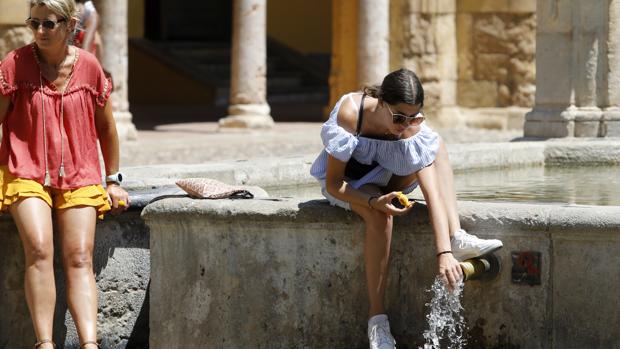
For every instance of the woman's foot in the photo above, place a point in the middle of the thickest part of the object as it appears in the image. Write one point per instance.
(44, 344)
(89, 345)
(466, 246)
(379, 334)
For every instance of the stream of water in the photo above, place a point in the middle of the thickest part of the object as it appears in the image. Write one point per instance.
(446, 324)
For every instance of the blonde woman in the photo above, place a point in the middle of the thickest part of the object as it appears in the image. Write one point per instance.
(54, 110)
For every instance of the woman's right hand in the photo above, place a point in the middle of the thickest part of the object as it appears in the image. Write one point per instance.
(450, 271)
(384, 204)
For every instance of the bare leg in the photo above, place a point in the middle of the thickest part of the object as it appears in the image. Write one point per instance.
(445, 178)
(377, 241)
(33, 218)
(77, 236)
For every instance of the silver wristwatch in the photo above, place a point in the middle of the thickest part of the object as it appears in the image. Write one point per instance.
(116, 178)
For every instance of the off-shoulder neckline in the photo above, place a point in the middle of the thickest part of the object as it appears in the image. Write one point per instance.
(400, 140)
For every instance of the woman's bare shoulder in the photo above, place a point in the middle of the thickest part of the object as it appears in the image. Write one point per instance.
(348, 112)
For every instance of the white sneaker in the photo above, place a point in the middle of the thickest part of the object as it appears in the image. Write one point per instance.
(465, 246)
(379, 334)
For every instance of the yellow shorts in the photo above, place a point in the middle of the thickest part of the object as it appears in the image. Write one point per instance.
(13, 189)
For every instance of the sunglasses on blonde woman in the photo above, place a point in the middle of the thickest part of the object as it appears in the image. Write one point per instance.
(34, 23)
(399, 118)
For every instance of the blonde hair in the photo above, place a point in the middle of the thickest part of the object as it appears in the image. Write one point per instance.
(65, 8)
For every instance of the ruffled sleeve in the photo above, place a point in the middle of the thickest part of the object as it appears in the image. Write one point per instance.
(401, 157)
(104, 88)
(7, 76)
(337, 141)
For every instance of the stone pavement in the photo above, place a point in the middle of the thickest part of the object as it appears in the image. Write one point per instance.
(193, 143)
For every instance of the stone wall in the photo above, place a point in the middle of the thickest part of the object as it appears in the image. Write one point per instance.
(289, 274)
(13, 32)
(496, 55)
(12, 38)
(423, 40)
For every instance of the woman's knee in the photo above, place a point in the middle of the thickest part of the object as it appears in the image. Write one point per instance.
(40, 253)
(378, 222)
(78, 258)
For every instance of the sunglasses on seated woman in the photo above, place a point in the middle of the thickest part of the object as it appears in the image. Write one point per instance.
(46, 23)
(399, 118)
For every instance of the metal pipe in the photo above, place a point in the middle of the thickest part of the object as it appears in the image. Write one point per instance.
(481, 268)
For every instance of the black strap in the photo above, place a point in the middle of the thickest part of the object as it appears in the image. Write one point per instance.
(360, 115)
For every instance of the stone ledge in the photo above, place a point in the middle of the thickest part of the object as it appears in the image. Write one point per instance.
(513, 217)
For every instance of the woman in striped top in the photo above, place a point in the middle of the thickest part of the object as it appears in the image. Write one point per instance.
(377, 144)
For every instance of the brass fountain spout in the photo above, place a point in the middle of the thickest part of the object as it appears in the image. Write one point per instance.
(481, 268)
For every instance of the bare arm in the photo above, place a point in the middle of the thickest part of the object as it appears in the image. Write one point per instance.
(4, 106)
(108, 140)
(338, 188)
(108, 137)
(449, 268)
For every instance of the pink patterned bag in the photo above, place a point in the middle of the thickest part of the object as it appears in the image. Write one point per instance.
(207, 188)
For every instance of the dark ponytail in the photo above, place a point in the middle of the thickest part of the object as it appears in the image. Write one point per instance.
(373, 91)
(400, 86)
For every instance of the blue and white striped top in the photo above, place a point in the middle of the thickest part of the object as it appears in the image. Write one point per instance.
(401, 157)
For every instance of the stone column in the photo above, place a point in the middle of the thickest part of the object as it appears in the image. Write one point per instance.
(611, 115)
(373, 49)
(343, 72)
(248, 106)
(13, 32)
(573, 69)
(113, 30)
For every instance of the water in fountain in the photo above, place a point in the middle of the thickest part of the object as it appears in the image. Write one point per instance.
(446, 325)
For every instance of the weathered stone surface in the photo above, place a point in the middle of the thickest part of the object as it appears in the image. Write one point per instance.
(13, 13)
(549, 129)
(510, 118)
(613, 55)
(588, 129)
(497, 48)
(553, 57)
(524, 6)
(483, 5)
(503, 95)
(464, 27)
(477, 93)
(433, 6)
(558, 15)
(611, 122)
(12, 38)
(492, 67)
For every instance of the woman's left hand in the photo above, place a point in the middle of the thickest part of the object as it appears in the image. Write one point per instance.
(450, 270)
(118, 197)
